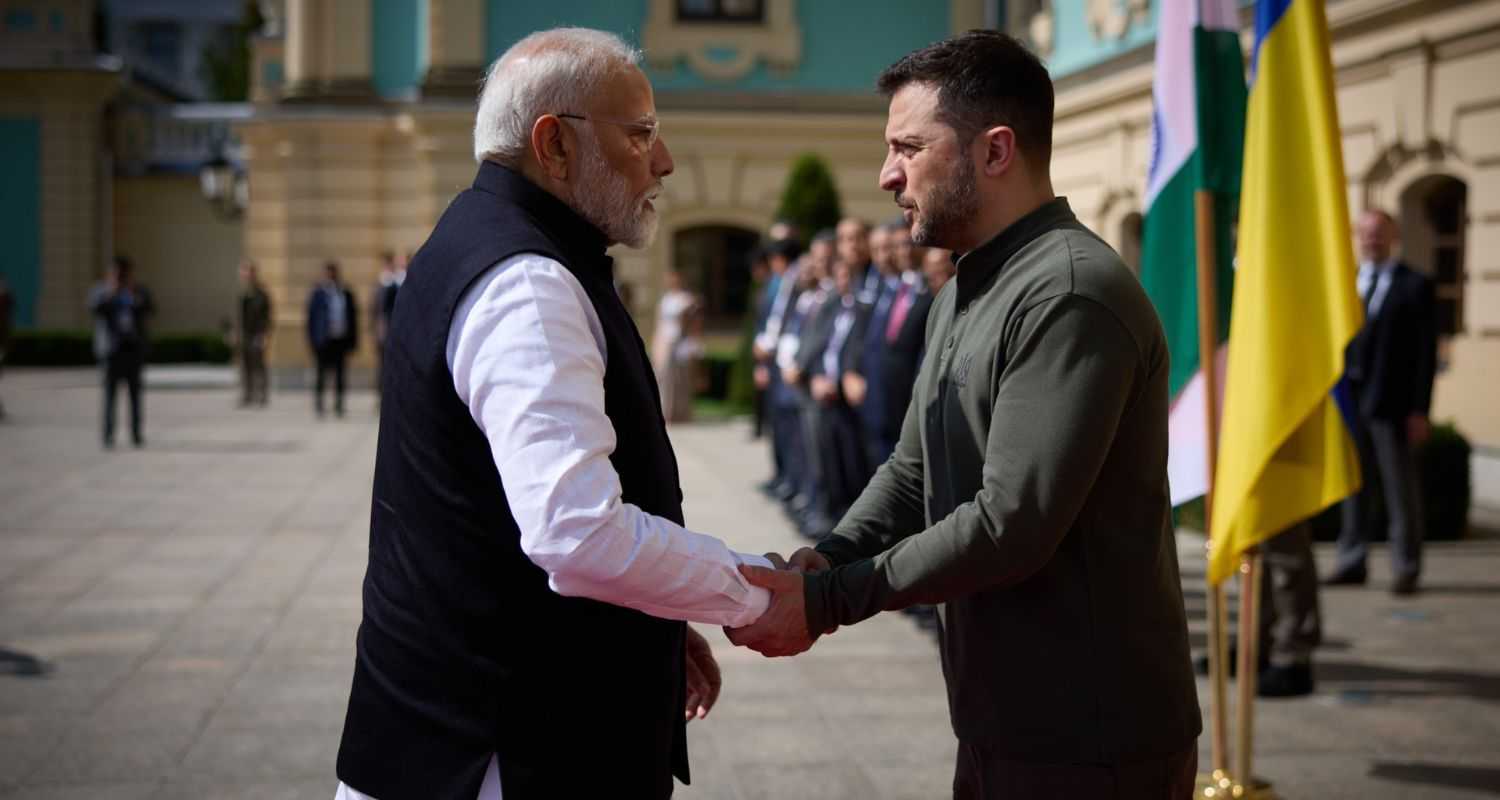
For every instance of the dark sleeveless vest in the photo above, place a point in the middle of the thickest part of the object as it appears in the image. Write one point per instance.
(463, 650)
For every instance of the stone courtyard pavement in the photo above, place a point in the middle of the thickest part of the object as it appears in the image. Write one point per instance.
(195, 603)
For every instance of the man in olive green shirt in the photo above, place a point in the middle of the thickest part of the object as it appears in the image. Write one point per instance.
(1028, 493)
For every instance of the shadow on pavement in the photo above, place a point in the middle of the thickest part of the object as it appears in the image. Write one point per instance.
(1486, 779)
(1422, 683)
(230, 447)
(26, 665)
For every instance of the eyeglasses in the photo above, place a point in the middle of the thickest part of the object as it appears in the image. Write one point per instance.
(647, 133)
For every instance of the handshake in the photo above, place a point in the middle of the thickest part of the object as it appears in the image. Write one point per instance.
(782, 629)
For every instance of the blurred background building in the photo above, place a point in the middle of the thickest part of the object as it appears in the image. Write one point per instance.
(189, 132)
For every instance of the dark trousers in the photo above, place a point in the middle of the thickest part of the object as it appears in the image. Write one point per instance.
(255, 382)
(1383, 453)
(331, 359)
(981, 776)
(126, 368)
(758, 407)
(786, 444)
(1291, 625)
(813, 482)
(842, 453)
(878, 449)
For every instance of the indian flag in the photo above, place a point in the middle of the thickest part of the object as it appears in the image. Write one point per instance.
(1197, 143)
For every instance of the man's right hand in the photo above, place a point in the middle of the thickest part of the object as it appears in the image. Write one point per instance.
(809, 560)
(823, 390)
(854, 388)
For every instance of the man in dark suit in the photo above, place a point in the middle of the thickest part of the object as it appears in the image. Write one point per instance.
(120, 307)
(863, 383)
(254, 335)
(816, 305)
(841, 444)
(781, 311)
(1389, 367)
(905, 332)
(333, 333)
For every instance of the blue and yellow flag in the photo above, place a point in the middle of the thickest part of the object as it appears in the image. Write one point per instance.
(1285, 453)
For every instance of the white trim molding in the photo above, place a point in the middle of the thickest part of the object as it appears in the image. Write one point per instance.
(775, 41)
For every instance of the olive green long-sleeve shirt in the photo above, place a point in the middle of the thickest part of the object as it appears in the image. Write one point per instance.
(1028, 495)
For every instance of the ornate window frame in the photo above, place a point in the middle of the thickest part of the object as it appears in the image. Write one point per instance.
(776, 41)
(1112, 19)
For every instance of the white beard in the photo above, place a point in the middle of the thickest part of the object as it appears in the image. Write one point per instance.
(602, 196)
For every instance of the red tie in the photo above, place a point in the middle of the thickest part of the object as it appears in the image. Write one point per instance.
(898, 312)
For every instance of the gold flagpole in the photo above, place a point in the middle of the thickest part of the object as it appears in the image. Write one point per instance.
(1250, 567)
(1208, 345)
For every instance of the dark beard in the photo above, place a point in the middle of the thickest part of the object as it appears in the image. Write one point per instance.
(951, 206)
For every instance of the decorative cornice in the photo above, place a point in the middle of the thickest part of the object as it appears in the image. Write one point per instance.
(721, 51)
(1110, 20)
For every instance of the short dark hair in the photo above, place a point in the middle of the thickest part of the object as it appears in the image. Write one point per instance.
(788, 249)
(983, 78)
(123, 266)
(826, 235)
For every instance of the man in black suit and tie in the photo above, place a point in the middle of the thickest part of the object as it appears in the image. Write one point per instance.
(1389, 366)
(332, 332)
(817, 306)
(905, 331)
(841, 446)
(121, 307)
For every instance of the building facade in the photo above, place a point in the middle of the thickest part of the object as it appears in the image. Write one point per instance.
(363, 130)
(103, 135)
(358, 134)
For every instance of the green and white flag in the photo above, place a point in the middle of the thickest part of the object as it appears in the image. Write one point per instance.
(1197, 144)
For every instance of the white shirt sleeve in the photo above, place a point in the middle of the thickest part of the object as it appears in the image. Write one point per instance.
(527, 355)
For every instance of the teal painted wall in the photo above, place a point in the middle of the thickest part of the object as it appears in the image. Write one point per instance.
(398, 45)
(1074, 46)
(507, 21)
(844, 47)
(20, 213)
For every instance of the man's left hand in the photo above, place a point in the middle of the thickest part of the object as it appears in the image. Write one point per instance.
(1418, 430)
(703, 678)
(782, 629)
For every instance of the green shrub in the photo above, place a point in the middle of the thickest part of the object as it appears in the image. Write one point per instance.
(1447, 487)
(810, 200)
(76, 349)
(189, 348)
(50, 349)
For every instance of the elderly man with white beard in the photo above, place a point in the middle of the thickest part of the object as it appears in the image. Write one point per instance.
(529, 572)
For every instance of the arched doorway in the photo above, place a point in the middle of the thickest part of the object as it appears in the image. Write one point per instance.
(714, 261)
(1434, 220)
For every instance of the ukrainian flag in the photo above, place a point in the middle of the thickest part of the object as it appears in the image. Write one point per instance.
(1285, 453)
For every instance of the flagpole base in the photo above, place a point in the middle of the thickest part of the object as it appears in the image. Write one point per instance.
(1219, 786)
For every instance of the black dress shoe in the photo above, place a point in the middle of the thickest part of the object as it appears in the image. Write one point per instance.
(1293, 680)
(1404, 586)
(1349, 576)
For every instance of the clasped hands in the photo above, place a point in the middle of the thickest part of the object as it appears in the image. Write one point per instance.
(782, 629)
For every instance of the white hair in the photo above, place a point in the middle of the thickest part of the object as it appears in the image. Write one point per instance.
(549, 72)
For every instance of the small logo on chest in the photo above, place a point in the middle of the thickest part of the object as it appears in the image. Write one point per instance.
(961, 370)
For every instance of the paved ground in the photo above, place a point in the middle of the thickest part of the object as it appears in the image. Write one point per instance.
(197, 601)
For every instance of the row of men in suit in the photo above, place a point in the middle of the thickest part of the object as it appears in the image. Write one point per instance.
(839, 337)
